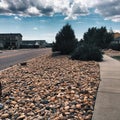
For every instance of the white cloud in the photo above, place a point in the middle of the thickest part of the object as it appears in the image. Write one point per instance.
(71, 9)
(33, 11)
(109, 9)
(3, 4)
(116, 31)
(17, 18)
(35, 28)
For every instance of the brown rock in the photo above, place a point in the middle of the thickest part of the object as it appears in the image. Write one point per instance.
(52, 99)
(13, 102)
(6, 115)
(78, 106)
(66, 107)
(67, 113)
(72, 92)
(21, 117)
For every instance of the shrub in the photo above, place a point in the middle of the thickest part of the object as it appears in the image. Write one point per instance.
(115, 46)
(100, 37)
(65, 40)
(87, 52)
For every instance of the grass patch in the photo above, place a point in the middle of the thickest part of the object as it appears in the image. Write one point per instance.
(116, 57)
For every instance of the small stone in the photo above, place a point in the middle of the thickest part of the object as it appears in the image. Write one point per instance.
(40, 117)
(73, 106)
(71, 110)
(52, 99)
(67, 107)
(30, 114)
(67, 96)
(8, 101)
(6, 115)
(59, 95)
(21, 117)
(13, 102)
(0, 90)
(88, 117)
(11, 98)
(28, 110)
(67, 113)
(6, 107)
(60, 116)
(77, 96)
(44, 101)
(32, 105)
(23, 63)
(78, 106)
(66, 103)
(48, 108)
(1, 106)
(72, 92)
(16, 115)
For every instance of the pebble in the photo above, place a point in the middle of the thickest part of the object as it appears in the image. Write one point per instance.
(78, 106)
(66, 107)
(72, 92)
(52, 99)
(13, 102)
(6, 115)
(50, 88)
(21, 117)
(1, 106)
(11, 98)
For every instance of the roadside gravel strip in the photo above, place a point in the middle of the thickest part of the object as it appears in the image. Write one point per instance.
(49, 88)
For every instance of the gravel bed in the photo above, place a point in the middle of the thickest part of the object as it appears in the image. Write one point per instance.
(111, 52)
(49, 88)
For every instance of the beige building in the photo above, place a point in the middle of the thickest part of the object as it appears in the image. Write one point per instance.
(116, 38)
(116, 35)
(10, 40)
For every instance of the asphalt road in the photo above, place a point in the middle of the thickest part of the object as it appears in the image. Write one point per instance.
(11, 57)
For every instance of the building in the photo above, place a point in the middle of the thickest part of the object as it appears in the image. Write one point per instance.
(10, 40)
(116, 38)
(116, 35)
(33, 44)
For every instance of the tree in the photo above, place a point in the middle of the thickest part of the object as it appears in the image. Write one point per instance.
(99, 37)
(65, 40)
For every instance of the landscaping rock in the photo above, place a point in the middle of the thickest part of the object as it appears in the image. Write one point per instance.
(54, 88)
(3, 116)
(1, 106)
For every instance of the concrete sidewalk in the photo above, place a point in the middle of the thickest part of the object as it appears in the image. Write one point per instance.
(107, 106)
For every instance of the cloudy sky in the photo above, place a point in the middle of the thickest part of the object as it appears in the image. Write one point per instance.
(42, 19)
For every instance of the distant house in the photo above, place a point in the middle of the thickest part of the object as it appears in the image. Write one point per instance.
(42, 43)
(116, 35)
(10, 40)
(33, 44)
(116, 38)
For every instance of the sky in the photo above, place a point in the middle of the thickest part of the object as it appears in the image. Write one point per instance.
(43, 19)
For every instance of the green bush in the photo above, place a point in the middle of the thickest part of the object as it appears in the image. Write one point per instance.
(65, 40)
(99, 37)
(87, 52)
(115, 46)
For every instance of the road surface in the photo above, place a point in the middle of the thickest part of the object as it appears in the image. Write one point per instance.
(11, 57)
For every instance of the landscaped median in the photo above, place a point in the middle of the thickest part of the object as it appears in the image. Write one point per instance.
(50, 88)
